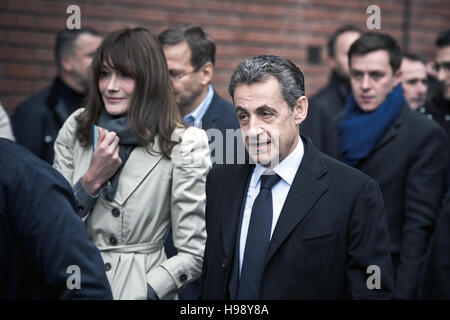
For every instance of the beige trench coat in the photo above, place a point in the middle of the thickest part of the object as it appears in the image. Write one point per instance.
(153, 194)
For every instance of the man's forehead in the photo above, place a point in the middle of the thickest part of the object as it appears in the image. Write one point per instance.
(416, 67)
(179, 52)
(371, 61)
(443, 54)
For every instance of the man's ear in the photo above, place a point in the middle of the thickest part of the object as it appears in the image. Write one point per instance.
(207, 72)
(301, 110)
(66, 63)
(330, 62)
(398, 77)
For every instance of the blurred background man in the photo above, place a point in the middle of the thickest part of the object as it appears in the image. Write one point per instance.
(405, 152)
(414, 81)
(329, 101)
(36, 121)
(190, 55)
(439, 107)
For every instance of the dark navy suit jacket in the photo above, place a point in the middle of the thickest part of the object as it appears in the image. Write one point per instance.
(41, 236)
(332, 227)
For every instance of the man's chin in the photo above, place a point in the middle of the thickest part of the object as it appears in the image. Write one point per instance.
(264, 160)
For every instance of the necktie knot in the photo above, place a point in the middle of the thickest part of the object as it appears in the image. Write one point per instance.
(269, 180)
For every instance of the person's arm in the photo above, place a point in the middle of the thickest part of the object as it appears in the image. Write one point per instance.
(54, 240)
(104, 163)
(435, 278)
(191, 164)
(423, 195)
(369, 245)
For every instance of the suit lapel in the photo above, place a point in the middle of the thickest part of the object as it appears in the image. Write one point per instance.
(392, 130)
(305, 190)
(140, 163)
(232, 205)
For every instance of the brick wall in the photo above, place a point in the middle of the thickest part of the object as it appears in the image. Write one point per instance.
(240, 28)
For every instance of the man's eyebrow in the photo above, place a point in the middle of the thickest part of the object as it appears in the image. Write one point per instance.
(240, 109)
(265, 107)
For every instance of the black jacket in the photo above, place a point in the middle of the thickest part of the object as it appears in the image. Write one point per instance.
(42, 240)
(220, 116)
(435, 280)
(409, 163)
(323, 108)
(37, 120)
(331, 228)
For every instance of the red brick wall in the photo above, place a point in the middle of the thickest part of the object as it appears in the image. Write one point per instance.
(240, 28)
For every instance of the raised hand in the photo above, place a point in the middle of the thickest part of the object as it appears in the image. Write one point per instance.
(104, 163)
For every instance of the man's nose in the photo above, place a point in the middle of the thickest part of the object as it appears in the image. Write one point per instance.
(422, 88)
(441, 74)
(255, 127)
(365, 83)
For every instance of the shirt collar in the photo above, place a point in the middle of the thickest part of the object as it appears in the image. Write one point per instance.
(286, 169)
(196, 116)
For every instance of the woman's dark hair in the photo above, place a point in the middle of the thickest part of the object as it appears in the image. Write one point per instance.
(153, 111)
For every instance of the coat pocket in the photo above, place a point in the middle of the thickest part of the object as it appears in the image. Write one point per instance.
(314, 243)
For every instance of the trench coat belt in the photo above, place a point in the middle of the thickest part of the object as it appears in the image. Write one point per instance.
(145, 248)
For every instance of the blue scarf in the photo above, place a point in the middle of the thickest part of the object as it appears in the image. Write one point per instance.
(359, 131)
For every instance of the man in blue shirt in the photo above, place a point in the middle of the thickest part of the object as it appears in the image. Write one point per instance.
(190, 55)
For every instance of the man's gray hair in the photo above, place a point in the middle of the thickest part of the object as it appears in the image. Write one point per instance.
(260, 68)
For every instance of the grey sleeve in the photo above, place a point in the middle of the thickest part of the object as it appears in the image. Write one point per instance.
(85, 201)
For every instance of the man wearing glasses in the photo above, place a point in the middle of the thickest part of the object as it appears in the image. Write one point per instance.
(190, 55)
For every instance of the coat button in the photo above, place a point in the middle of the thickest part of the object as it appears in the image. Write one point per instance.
(115, 212)
(113, 241)
(183, 277)
(107, 266)
(224, 263)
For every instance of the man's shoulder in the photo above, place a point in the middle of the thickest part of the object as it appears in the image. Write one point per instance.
(19, 165)
(222, 113)
(37, 101)
(420, 123)
(222, 106)
(339, 169)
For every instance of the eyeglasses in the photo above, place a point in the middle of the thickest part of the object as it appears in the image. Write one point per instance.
(179, 75)
(445, 66)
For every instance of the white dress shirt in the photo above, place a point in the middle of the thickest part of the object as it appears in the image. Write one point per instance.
(287, 170)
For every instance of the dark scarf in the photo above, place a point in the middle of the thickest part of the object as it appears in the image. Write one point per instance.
(127, 143)
(359, 131)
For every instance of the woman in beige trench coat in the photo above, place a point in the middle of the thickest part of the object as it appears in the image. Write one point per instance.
(137, 170)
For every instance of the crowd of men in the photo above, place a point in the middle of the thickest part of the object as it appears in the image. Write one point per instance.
(362, 176)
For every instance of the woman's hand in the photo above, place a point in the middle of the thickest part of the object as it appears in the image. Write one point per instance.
(104, 163)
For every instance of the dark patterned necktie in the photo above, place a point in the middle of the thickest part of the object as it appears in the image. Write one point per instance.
(258, 238)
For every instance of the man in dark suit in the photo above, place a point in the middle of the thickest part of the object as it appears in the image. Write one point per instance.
(37, 120)
(439, 106)
(45, 251)
(190, 55)
(435, 280)
(403, 150)
(297, 224)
